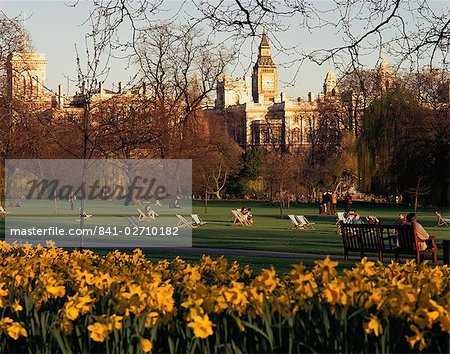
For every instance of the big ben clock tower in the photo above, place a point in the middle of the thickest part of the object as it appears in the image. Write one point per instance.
(265, 75)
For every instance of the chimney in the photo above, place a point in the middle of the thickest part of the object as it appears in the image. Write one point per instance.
(100, 88)
(311, 97)
(120, 87)
(144, 88)
(282, 96)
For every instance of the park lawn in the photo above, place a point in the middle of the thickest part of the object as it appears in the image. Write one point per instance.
(269, 232)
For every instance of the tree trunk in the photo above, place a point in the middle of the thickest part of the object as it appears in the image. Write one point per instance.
(281, 204)
(416, 197)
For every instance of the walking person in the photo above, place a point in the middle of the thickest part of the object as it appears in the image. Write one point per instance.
(328, 200)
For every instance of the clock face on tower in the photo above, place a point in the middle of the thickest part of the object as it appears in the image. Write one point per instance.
(268, 83)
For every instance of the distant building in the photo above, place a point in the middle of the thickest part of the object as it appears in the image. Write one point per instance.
(25, 75)
(260, 116)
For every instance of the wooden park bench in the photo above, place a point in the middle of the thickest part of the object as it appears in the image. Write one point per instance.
(384, 239)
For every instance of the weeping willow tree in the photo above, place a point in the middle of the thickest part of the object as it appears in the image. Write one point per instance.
(385, 124)
(402, 142)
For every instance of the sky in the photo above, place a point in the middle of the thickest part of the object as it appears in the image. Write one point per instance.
(56, 28)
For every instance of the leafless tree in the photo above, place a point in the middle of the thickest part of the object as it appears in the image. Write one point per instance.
(412, 31)
(182, 68)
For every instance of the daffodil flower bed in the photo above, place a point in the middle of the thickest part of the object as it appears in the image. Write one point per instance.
(56, 301)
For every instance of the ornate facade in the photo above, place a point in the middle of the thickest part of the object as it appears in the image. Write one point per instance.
(266, 118)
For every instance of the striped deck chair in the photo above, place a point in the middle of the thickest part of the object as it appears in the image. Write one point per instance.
(295, 224)
(133, 221)
(197, 220)
(304, 221)
(182, 222)
(442, 221)
(239, 219)
(341, 217)
(143, 216)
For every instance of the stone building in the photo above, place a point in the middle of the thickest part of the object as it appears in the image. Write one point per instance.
(264, 117)
(25, 75)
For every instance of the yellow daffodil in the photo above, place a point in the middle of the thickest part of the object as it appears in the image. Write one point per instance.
(99, 332)
(326, 268)
(373, 326)
(15, 330)
(146, 345)
(202, 326)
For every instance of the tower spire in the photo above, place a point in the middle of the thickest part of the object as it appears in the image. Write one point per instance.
(264, 41)
(265, 76)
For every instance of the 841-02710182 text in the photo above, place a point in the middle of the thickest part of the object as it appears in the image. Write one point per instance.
(158, 231)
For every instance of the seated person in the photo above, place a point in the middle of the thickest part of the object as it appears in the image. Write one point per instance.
(150, 212)
(175, 204)
(250, 215)
(420, 231)
(357, 219)
(84, 215)
(373, 220)
(401, 219)
(349, 216)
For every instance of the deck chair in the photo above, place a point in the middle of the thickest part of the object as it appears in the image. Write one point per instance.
(239, 219)
(3, 211)
(152, 213)
(295, 224)
(441, 220)
(341, 217)
(304, 221)
(144, 216)
(197, 220)
(133, 221)
(182, 222)
(84, 216)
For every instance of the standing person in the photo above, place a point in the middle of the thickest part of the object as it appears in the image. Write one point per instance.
(319, 199)
(333, 202)
(348, 202)
(72, 200)
(324, 203)
(329, 202)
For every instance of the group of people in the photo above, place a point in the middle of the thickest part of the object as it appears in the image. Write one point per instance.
(247, 213)
(328, 203)
(352, 217)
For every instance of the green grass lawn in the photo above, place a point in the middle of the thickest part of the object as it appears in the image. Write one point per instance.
(269, 232)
